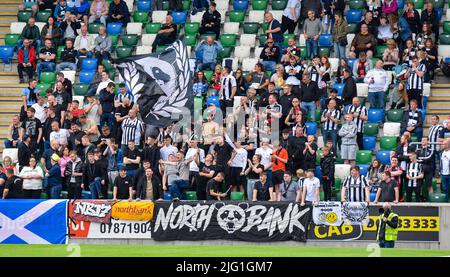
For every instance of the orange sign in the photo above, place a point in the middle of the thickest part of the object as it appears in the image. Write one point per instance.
(133, 210)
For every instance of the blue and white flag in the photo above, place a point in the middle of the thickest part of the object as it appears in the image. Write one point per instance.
(33, 221)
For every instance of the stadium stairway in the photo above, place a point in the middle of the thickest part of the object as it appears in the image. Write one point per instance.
(438, 103)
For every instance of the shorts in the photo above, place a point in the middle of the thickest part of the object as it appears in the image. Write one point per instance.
(236, 179)
(277, 177)
(348, 152)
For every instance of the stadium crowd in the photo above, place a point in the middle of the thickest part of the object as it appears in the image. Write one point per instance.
(101, 144)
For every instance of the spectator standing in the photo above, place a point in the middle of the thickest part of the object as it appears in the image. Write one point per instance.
(270, 55)
(388, 191)
(263, 189)
(290, 190)
(361, 67)
(310, 153)
(68, 57)
(355, 187)
(29, 97)
(26, 60)
(207, 170)
(237, 164)
(118, 12)
(200, 84)
(327, 168)
(253, 172)
(445, 169)
(132, 129)
(349, 91)
(131, 158)
(378, 84)
(209, 49)
(166, 35)
(290, 17)
(312, 29)
(32, 127)
(69, 27)
(149, 187)
(13, 186)
(123, 186)
(430, 16)
(425, 156)
(360, 115)
(213, 187)
(412, 18)
(330, 120)
(311, 187)
(279, 161)
(309, 96)
(92, 176)
(211, 21)
(99, 11)
(348, 134)
(415, 75)
(412, 120)
(106, 98)
(414, 174)
(32, 176)
(24, 152)
(273, 30)
(339, 35)
(54, 180)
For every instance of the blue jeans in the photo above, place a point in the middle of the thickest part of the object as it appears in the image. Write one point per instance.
(250, 184)
(311, 48)
(310, 108)
(339, 51)
(131, 172)
(46, 145)
(376, 99)
(45, 66)
(330, 135)
(178, 187)
(269, 65)
(65, 65)
(418, 131)
(387, 244)
(445, 186)
(95, 187)
(9, 144)
(55, 192)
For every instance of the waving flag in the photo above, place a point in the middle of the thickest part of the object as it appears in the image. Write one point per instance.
(33, 221)
(161, 83)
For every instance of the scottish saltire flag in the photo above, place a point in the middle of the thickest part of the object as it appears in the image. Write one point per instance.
(161, 83)
(24, 221)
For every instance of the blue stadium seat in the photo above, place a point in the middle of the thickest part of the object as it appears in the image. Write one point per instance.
(167, 196)
(440, 12)
(213, 100)
(179, 17)
(240, 5)
(89, 64)
(325, 40)
(86, 77)
(86, 195)
(363, 169)
(119, 158)
(144, 5)
(114, 28)
(384, 156)
(354, 16)
(311, 128)
(425, 103)
(400, 4)
(369, 143)
(376, 115)
(424, 113)
(6, 53)
(318, 172)
(351, 61)
(339, 87)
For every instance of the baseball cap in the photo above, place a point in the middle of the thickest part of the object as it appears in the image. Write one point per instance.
(55, 157)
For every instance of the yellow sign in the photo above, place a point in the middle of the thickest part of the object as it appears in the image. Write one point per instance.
(331, 217)
(133, 210)
(409, 224)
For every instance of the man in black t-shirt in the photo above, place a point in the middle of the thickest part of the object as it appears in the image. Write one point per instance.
(47, 55)
(131, 158)
(123, 185)
(167, 34)
(13, 186)
(206, 172)
(213, 188)
(388, 191)
(263, 189)
(32, 127)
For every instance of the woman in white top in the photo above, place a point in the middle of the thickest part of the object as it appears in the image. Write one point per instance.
(93, 109)
(265, 151)
(32, 176)
(384, 31)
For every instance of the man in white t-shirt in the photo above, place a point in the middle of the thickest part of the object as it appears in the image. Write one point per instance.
(290, 16)
(41, 109)
(445, 169)
(168, 148)
(104, 83)
(193, 166)
(58, 134)
(311, 186)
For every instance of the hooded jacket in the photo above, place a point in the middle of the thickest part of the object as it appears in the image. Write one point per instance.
(78, 169)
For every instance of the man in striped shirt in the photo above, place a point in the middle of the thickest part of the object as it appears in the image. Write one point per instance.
(359, 116)
(425, 156)
(412, 120)
(435, 134)
(415, 81)
(330, 119)
(227, 89)
(414, 174)
(132, 129)
(355, 187)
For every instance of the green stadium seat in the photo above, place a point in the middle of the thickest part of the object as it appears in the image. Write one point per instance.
(262, 39)
(303, 53)
(205, 36)
(108, 65)
(337, 183)
(395, 115)
(112, 74)
(318, 114)
(237, 196)
(339, 158)
(191, 195)
(160, 48)
(356, 4)
(141, 17)
(418, 4)
(59, 51)
(80, 89)
(380, 51)
(260, 5)
(446, 27)
(251, 27)
(351, 28)
(363, 157)
(191, 40)
(191, 28)
(286, 37)
(64, 194)
(152, 28)
(324, 51)
(371, 129)
(414, 138)
(165, 5)
(237, 16)
(114, 40)
(225, 53)
(186, 5)
(44, 195)
(228, 40)
(23, 16)
(338, 195)
(279, 5)
(42, 16)
(42, 87)
(318, 156)
(321, 195)
(12, 39)
(48, 77)
(130, 40)
(264, 27)
(436, 198)
(198, 103)
(208, 74)
(388, 143)
(93, 27)
(434, 184)
(124, 51)
(362, 99)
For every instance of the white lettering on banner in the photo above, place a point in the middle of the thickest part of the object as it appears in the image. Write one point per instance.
(91, 209)
(232, 218)
(16, 227)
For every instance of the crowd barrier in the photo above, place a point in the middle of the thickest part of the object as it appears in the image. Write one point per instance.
(58, 221)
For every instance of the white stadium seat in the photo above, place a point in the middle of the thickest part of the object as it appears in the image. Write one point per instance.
(320, 142)
(277, 15)
(256, 16)
(241, 52)
(350, 38)
(41, 25)
(222, 5)
(302, 40)
(362, 89)
(248, 64)
(389, 76)
(134, 28)
(447, 14)
(160, 16)
(341, 171)
(258, 51)
(17, 27)
(130, 4)
(143, 49)
(79, 98)
(13, 153)
(69, 74)
(334, 62)
(222, 13)
(444, 51)
(234, 63)
(231, 28)
(198, 17)
(427, 88)
(391, 129)
(248, 40)
(147, 39)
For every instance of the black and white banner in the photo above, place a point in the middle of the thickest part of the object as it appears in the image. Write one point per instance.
(328, 213)
(207, 220)
(161, 83)
(355, 213)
